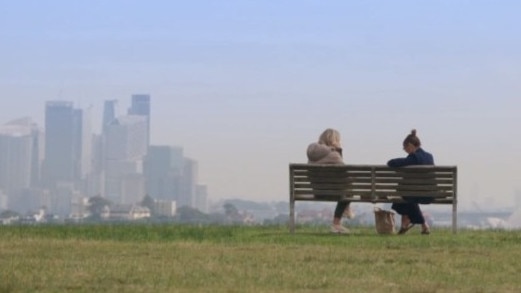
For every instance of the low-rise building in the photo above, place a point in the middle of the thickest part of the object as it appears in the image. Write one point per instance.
(125, 212)
(166, 208)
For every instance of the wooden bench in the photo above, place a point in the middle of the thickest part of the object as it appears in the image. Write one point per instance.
(372, 184)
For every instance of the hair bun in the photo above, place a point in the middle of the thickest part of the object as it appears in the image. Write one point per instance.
(413, 132)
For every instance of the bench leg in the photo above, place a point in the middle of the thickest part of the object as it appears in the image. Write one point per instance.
(454, 217)
(292, 216)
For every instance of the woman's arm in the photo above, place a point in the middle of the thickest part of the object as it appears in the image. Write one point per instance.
(400, 162)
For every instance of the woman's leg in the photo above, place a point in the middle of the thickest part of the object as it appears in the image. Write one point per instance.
(420, 219)
(339, 211)
(415, 214)
(403, 210)
(337, 226)
(417, 217)
(405, 221)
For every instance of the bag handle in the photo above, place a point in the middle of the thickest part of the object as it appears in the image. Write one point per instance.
(378, 209)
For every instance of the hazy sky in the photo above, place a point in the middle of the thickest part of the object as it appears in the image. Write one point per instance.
(245, 86)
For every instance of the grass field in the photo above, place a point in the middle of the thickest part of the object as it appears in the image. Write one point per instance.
(170, 258)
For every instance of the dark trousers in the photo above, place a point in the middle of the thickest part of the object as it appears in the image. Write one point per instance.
(340, 208)
(412, 210)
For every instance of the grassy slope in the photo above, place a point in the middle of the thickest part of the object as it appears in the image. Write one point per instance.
(254, 259)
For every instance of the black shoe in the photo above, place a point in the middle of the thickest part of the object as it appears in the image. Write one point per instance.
(404, 230)
(426, 232)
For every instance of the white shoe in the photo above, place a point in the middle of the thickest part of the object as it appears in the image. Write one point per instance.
(339, 229)
(348, 213)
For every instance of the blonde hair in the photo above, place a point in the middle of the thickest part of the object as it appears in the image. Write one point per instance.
(330, 137)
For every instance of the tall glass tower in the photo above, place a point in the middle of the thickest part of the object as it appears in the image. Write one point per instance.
(16, 151)
(141, 106)
(59, 163)
(67, 143)
(109, 113)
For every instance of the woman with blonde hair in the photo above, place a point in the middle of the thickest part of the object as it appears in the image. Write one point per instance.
(328, 150)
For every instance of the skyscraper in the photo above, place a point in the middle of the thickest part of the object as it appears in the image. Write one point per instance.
(141, 106)
(59, 163)
(16, 158)
(164, 171)
(82, 142)
(124, 148)
(37, 158)
(20, 161)
(109, 112)
(27, 124)
(188, 183)
(68, 140)
(201, 198)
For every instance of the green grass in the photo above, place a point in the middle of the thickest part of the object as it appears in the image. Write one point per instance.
(172, 258)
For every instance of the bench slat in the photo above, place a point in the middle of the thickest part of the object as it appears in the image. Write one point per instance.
(368, 193)
(438, 200)
(375, 180)
(396, 176)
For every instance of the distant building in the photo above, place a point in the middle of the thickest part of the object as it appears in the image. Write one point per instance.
(3, 200)
(109, 113)
(68, 153)
(60, 158)
(83, 142)
(95, 180)
(164, 171)
(124, 151)
(125, 212)
(165, 208)
(16, 157)
(21, 152)
(188, 183)
(27, 200)
(201, 198)
(141, 106)
(37, 156)
(132, 188)
(79, 208)
(62, 197)
(67, 143)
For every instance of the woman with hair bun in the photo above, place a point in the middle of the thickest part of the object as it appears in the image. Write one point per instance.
(410, 211)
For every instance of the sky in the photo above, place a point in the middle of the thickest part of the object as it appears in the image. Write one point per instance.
(244, 86)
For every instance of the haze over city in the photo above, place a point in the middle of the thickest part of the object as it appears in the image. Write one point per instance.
(245, 86)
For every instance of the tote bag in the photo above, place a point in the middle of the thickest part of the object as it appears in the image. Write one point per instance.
(384, 221)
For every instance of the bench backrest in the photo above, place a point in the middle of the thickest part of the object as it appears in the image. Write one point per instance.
(372, 183)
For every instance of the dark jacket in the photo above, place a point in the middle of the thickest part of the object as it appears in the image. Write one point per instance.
(419, 157)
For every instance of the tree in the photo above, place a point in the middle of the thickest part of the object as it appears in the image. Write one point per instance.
(148, 202)
(232, 213)
(230, 210)
(9, 214)
(96, 205)
(186, 214)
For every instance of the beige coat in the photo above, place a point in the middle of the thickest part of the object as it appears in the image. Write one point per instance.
(323, 154)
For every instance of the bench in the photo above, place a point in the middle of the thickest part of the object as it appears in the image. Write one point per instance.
(372, 184)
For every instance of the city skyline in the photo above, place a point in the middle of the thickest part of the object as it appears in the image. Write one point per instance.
(475, 202)
(244, 87)
(62, 163)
